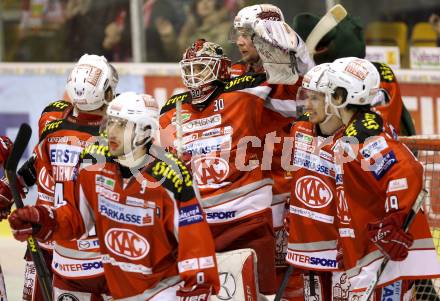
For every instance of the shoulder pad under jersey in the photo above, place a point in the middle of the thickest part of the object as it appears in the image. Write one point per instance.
(248, 80)
(57, 106)
(96, 153)
(385, 71)
(171, 103)
(365, 125)
(64, 124)
(173, 176)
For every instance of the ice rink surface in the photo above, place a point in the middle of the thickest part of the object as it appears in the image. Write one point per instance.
(12, 262)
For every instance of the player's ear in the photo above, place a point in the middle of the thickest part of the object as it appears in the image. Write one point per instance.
(339, 96)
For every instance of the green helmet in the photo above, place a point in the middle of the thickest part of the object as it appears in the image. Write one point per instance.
(346, 39)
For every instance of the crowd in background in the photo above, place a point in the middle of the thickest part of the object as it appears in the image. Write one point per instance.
(62, 30)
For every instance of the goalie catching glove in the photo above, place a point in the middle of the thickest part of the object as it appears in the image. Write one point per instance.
(38, 221)
(388, 235)
(282, 51)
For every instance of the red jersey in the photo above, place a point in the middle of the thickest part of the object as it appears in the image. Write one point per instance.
(57, 157)
(53, 111)
(312, 209)
(392, 111)
(379, 175)
(279, 113)
(152, 230)
(225, 143)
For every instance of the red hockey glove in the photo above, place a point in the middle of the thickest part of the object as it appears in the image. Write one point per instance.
(5, 149)
(6, 199)
(389, 236)
(33, 220)
(198, 293)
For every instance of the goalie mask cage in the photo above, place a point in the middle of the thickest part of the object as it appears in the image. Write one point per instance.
(427, 150)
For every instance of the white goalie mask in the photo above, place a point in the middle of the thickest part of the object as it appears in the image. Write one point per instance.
(203, 63)
(359, 77)
(88, 82)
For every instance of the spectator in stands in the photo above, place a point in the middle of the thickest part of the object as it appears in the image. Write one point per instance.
(117, 37)
(84, 30)
(206, 19)
(434, 19)
(39, 32)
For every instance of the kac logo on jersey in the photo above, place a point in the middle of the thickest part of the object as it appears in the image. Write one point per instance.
(46, 181)
(211, 170)
(313, 192)
(126, 243)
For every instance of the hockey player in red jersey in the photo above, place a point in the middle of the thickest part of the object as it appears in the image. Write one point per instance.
(153, 235)
(346, 40)
(57, 155)
(275, 123)
(26, 174)
(378, 180)
(312, 221)
(220, 116)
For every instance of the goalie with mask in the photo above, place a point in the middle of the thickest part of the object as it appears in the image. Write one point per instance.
(220, 125)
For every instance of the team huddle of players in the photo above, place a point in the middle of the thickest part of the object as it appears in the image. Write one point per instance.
(137, 203)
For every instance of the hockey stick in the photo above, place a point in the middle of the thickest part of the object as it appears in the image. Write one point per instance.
(43, 274)
(179, 128)
(408, 221)
(329, 21)
(3, 296)
(283, 285)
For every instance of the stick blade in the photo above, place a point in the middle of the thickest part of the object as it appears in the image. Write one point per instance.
(338, 12)
(20, 144)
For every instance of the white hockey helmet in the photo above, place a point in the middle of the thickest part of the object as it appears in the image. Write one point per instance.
(249, 14)
(359, 77)
(141, 110)
(88, 82)
(114, 79)
(314, 84)
(316, 78)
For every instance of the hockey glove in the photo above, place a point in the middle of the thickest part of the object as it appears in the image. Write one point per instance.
(28, 172)
(282, 51)
(199, 293)
(388, 235)
(5, 149)
(38, 221)
(6, 199)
